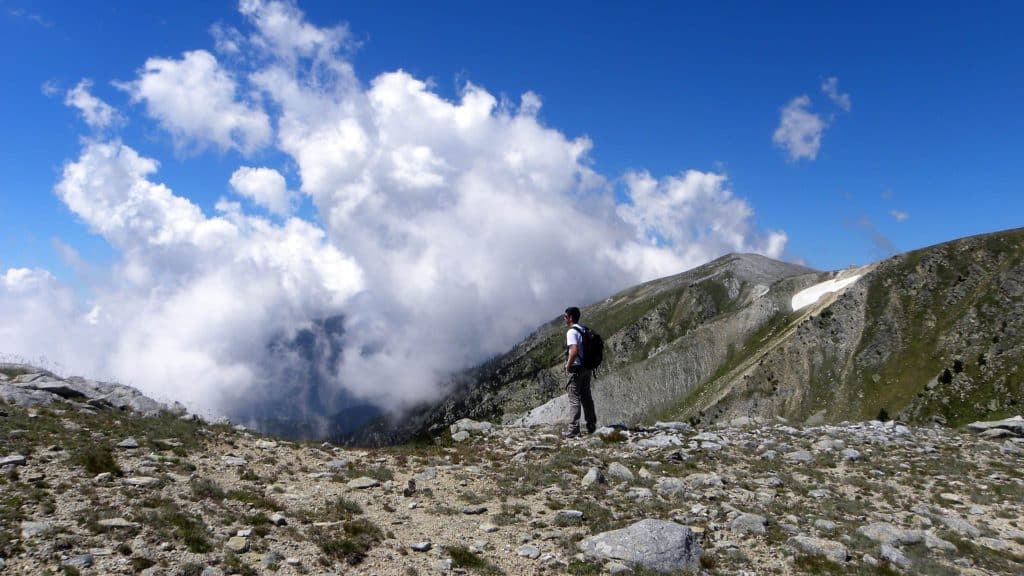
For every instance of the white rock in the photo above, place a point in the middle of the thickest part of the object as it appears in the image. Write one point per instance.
(528, 551)
(363, 483)
(142, 481)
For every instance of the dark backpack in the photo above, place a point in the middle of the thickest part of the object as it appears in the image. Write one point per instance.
(592, 347)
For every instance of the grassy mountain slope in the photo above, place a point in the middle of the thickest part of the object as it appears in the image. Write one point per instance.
(931, 333)
(650, 331)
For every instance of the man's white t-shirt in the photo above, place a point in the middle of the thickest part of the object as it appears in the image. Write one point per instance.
(575, 337)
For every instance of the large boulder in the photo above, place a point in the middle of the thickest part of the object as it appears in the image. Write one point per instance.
(18, 396)
(657, 545)
(1015, 425)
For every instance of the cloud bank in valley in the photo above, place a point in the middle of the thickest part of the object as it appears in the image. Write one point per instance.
(445, 230)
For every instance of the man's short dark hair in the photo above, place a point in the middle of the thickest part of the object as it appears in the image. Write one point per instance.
(573, 312)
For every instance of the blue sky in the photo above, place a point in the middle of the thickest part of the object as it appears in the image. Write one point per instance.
(935, 119)
(905, 131)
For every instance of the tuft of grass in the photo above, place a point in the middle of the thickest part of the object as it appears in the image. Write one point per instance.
(96, 460)
(139, 564)
(206, 489)
(253, 498)
(581, 568)
(510, 513)
(463, 558)
(343, 508)
(235, 565)
(357, 538)
(171, 522)
(379, 473)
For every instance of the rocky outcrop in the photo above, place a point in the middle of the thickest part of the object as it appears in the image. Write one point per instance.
(26, 385)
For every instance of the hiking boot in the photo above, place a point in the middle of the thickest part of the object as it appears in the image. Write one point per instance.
(570, 434)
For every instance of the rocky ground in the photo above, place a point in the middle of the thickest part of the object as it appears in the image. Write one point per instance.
(89, 488)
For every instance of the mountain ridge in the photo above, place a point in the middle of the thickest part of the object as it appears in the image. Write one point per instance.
(722, 341)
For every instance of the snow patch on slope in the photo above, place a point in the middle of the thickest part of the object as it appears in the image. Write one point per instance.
(811, 295)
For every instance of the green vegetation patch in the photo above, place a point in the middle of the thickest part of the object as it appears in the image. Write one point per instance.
(253, 498)
(464, 558)
(206, 489)
(96, 460)
(170, 522)
(351, 545)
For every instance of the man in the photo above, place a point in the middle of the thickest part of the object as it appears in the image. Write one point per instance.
(578, 386)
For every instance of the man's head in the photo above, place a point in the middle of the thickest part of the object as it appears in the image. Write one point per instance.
(572, 315)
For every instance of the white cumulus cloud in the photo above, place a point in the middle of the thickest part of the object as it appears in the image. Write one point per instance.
(195, 99)
(799, 131)
(96, 113)
(697, 215)
(445, 229)
(264, 186)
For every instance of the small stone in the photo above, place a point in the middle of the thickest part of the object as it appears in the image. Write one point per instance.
(593, 476)
(278, 520)
(850, 454)
(142, 481)
(825, 525)
(460, 436)
(660, 441)
(266, 444)
(893, 555)
(488, 527)
(444, 565)
(427, 475)
(421, 546)
(568, 517)
(115, 523)
(237, 544)
(474, 510)
(828, 549)
(271, 559)
(363, 483)
(799, 456)
(233, 461)
(128, 443)
(617, 470)
(528, 551)
(79, 562)
(244, 532)
(749, 524)
(12, 460)
(338, 465)
(292, 561)
(681, 427)
(31, 529)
